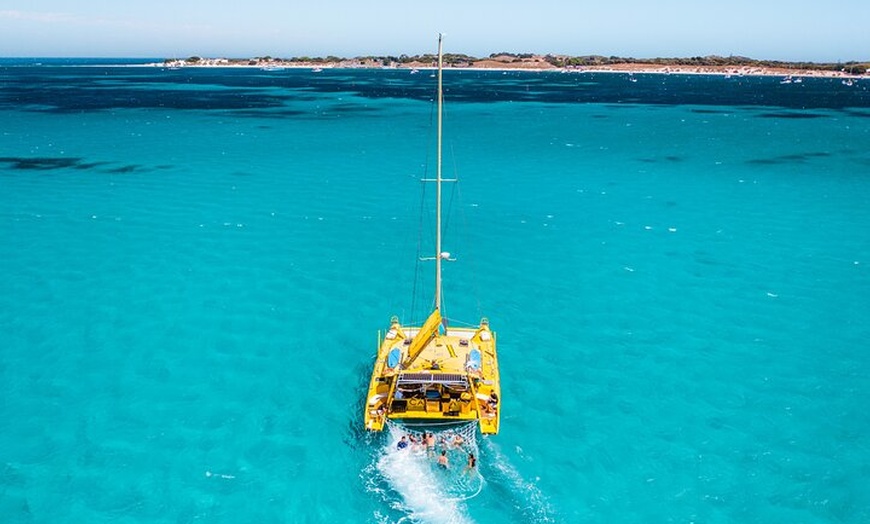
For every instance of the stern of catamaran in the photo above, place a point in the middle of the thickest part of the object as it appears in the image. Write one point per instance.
(450, 378)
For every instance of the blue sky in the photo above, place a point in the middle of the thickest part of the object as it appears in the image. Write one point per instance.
(835, 30)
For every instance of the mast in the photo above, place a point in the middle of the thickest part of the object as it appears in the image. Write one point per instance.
(438, 186)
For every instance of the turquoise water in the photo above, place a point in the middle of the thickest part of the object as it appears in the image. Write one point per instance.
(195, 265)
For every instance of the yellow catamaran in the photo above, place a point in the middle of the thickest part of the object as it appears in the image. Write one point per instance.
(435, 375)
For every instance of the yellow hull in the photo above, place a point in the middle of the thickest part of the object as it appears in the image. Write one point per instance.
(434, 377)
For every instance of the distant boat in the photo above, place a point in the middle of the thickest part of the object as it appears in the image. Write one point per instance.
(272, 68)
(434, 375)
(317, 70)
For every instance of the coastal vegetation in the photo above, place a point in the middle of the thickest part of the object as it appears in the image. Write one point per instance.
(532, 61)
(706, 61)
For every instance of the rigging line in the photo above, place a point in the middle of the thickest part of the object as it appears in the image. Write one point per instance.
(463, 231)
(470, 256)
(418, 274)
(461, 237)
(447, 230)
(459, 231)
(455, 195)
(447, 226)
(424, 241)
(417, 260)
(419, 250)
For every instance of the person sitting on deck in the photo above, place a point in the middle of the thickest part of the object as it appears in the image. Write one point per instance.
(493, 401)
(490, 406)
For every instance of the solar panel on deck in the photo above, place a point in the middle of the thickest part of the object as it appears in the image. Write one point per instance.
(432, 378)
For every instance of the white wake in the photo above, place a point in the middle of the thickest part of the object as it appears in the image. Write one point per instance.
(417, 487)
(528, 498)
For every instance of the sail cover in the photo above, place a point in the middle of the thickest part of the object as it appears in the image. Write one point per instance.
(429, 329)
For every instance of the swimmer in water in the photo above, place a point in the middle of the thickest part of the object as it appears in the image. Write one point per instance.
(442, 460)
(472, 463)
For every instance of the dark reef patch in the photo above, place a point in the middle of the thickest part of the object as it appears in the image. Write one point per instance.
(710, 112)
(794, 116)
(856, 113)
(89, 165)
(654, 160)
(85, 89)
(799, 158)
(276, 114)
(130, 168)
(43, 164)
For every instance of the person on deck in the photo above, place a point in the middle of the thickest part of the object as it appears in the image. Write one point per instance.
(493, 402)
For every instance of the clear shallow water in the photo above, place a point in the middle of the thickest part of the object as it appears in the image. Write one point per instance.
(195, 265)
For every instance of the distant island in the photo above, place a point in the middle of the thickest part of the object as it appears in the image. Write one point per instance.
(731, 65)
